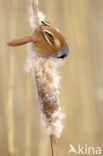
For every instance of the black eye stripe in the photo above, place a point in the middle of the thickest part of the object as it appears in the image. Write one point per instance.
(63, 52)
(62, 56)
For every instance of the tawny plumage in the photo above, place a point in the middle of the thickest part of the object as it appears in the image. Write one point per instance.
(46, 40)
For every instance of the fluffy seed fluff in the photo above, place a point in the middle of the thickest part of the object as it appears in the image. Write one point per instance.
(47, 79)
(45, 72)
(32, 18)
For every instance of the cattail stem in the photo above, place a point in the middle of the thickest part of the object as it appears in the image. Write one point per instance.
(53, 145)
(36, 11)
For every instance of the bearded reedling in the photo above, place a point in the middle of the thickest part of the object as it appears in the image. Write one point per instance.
(49, 47)
(47, 41)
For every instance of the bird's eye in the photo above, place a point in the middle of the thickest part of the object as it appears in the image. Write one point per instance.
(63, 52)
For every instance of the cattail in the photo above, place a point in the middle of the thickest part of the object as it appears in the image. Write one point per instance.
(44, 70)
(47, 80)
(35, 15)
(49, 48)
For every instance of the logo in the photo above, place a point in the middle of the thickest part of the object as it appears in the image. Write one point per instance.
(81, 150)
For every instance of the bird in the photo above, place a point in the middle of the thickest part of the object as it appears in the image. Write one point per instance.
(46, 40)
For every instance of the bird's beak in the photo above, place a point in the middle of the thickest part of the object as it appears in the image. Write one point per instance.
(21, 41)
(63, 59)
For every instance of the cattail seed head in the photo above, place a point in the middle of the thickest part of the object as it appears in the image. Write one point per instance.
(47, 79)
